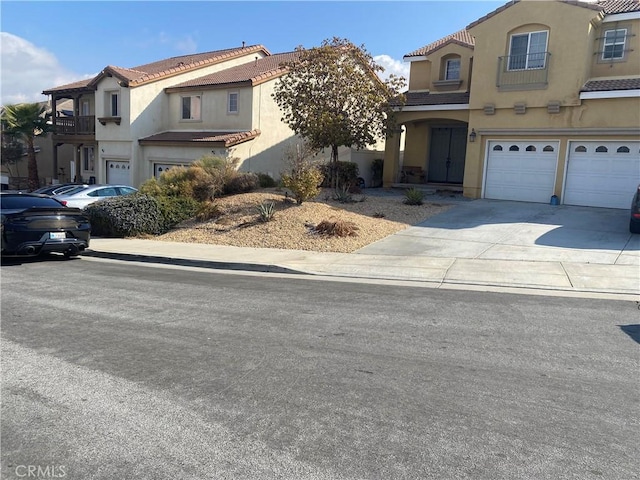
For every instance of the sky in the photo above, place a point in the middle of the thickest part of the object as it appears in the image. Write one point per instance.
(49, 43)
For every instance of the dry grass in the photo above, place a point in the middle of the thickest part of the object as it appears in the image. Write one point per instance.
(295, 226)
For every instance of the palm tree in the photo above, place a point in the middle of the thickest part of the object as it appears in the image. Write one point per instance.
(26, 121)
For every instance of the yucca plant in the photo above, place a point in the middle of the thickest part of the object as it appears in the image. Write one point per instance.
(342, 195)
(413, 196)
(266, 211)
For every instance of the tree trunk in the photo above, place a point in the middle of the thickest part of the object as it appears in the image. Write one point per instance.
(334, 166)
(32, 166)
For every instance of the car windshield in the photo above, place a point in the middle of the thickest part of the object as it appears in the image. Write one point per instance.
(17, 202)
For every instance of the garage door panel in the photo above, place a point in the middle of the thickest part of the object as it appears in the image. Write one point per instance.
(520, 175)
(118, 172)
(599, 178)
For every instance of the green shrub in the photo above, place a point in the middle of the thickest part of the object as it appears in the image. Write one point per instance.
(208, 211)
(266, 181)
(346, 174)
(304, 177)
(413, 196)
(176, 209)
(304, 184)
(125, 216)
(241, 183)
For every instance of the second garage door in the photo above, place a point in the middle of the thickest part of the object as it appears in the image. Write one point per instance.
(523, 171)
(602, 174)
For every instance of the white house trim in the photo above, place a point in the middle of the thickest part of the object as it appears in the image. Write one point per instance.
(621, 17)
(431, 108)
(610, 94)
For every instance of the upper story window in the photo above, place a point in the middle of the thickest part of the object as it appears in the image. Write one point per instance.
(113, 106)
(452, 69)
(614, 41)
(528, 51)
(191, 107)
(232, 104)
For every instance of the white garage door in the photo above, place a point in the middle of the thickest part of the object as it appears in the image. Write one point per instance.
(118, 172)
(602, 174)
(523, 171)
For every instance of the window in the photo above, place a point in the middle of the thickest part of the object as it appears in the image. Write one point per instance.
(531, 148)
(614, 44)
(602, 149)
(581, 149)
(191, 107)
(623, 149)
(548, 148)
(103, 192)
(114, 104)
(514, 148)
(452, 70)
(85, 108)
(233, 102)
(497, 148)
(528, 51)
(88, 159)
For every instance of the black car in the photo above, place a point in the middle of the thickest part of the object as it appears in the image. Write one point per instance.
(34, 224)
(634, 221)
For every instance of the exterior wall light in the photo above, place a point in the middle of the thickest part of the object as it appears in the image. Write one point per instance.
(473, 135)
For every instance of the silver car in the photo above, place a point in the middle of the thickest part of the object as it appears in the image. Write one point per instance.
(82, 196)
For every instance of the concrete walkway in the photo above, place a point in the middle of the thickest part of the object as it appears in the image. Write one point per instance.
(478, 244)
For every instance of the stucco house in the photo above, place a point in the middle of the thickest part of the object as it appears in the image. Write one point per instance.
(130, 124)
(532, 100)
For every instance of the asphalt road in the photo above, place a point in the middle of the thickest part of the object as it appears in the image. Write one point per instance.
(121, 371)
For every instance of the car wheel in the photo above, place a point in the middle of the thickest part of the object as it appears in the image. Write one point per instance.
(634, 227)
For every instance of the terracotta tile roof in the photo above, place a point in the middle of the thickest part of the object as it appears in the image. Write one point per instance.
(251, 73)
(608, 7)
(608, 85)
(163, 68)
(80, 85)
(418, 99)
(462, 37)
(226, 139)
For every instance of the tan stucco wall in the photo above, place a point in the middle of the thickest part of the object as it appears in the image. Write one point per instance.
(570, 40)
(420, 75)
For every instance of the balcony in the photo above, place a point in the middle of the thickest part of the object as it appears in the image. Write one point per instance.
(80, 125)
(523, 72)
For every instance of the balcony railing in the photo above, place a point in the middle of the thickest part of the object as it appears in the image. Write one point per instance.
(523, 71)
(81, 125)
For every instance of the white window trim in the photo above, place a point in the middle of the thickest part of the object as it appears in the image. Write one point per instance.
(546, 46)
(199, 118)
(604, 43)
(237, 110)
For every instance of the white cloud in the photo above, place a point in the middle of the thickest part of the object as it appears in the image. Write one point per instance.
(27, 70)
(392, 66)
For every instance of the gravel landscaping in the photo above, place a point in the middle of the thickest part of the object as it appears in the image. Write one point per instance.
(373, 217)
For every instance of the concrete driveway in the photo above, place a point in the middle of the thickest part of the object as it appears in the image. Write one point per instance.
(504, 230)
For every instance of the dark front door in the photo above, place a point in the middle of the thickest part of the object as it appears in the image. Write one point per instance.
(446, 154)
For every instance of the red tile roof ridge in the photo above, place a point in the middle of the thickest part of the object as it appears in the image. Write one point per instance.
(461, 37)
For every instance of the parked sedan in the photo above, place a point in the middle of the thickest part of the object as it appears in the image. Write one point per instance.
(34, 224)
(58, 189)
(634, 221)
(83, 196)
